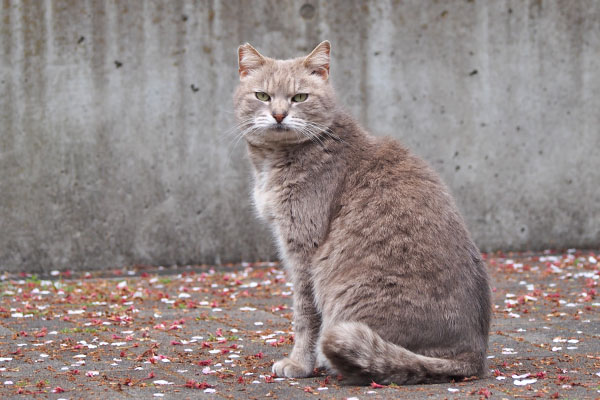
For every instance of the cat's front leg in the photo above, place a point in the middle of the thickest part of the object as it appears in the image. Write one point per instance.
(307, 323)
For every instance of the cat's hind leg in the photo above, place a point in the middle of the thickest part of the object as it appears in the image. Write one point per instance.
(322, 361)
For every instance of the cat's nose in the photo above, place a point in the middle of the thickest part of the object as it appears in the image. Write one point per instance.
(279, 117)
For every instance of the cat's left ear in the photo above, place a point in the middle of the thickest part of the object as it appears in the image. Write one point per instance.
(318, 60)
(248, 59)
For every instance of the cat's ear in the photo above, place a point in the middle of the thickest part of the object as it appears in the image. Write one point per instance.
(318, 60)
(248, 59)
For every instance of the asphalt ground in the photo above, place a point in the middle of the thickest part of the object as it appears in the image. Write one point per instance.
(214, 332)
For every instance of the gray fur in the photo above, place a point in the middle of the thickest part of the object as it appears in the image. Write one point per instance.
(388, 285)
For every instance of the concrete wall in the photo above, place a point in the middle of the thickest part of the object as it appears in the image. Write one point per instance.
(114, 115)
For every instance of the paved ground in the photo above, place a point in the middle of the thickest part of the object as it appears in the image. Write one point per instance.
(209, 332)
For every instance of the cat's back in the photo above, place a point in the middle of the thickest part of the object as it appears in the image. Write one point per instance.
(395, 211)
(403, 246)
(386, 180)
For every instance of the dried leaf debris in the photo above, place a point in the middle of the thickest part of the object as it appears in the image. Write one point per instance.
(174, 332)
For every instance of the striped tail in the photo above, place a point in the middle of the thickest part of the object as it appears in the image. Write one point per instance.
(362, 356)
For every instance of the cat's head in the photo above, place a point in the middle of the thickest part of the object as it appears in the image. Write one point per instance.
(283, 101)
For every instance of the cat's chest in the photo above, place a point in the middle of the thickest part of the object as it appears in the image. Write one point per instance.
(264, 195)
(295, 201)
(282, 195)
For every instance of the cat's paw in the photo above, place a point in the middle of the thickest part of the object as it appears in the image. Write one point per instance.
(291, 369)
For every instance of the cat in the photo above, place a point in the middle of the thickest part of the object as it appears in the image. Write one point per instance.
(388, 285)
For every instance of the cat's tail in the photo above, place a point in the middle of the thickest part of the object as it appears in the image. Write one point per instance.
(362, 356)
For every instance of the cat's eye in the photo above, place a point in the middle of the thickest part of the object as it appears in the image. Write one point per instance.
(262, 96)
(300, 97)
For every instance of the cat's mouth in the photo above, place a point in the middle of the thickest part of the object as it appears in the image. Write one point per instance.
(276, 133)
(281, 127)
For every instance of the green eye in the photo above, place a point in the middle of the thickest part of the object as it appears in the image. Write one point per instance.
(262, 96)
(300, 97)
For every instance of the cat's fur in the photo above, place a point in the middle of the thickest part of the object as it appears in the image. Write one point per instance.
(388, 285)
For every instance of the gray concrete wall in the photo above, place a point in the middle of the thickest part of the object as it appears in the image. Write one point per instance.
(114, 116)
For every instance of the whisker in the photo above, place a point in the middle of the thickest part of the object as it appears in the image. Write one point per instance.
(313, 135)
(234, 135)
(319, 129)
(327, 131)
(239, 137)
(234, 129)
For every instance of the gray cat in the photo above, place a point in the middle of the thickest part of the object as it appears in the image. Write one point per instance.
(388, 285)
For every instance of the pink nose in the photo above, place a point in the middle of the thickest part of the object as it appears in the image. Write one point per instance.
(279, 117)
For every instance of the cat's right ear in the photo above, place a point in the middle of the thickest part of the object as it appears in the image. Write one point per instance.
(249, 59)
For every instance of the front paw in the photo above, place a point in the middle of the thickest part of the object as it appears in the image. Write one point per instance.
(291, 369)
